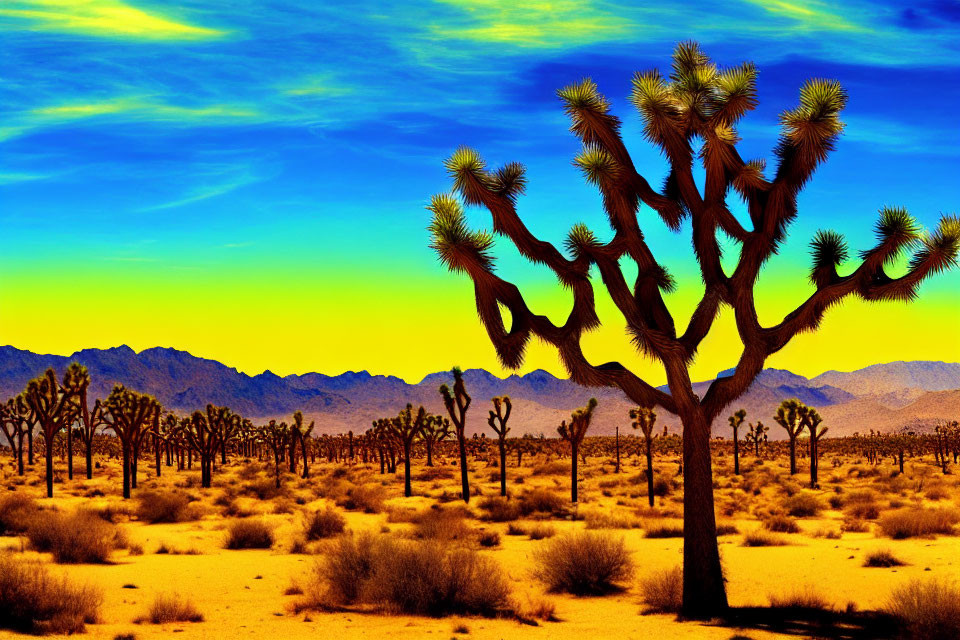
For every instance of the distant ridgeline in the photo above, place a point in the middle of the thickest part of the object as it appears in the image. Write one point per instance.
(881, 397)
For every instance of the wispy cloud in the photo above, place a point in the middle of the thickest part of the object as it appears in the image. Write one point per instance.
(101, 18)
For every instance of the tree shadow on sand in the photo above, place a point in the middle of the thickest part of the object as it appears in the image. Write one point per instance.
(813, 623)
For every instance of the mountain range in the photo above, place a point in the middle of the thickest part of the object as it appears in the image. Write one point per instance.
(881, 396)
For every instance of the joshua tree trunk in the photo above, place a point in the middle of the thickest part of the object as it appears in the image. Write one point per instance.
(573, 472)
(126, 470)
(736, 453)
(649, 469)
(69, 453)
(793, 456)
(88, 455)
(30, 446)
(703, 588)
(464, 476)
(503, 467)
(407, 489)
(49, 456)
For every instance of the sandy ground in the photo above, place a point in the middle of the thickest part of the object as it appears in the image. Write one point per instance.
(241, 593)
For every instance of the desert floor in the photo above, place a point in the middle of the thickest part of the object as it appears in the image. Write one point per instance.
(242, 593)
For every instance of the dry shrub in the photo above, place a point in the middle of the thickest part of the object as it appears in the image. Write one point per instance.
(908, 523)
(802, 505)
(862, 495)
(170, 608)
(540, 531)
(324, 524)
(489, 539)
(16, 512)
(516, 530)
(80, 537)
(927, 610)
(662, 529)
(541, 501)
(162, 506)
(556, 467)
(34, 601)
(430, 579)
(265, 489)
(882, 558)
(368, 498)
(827, 534)
(249, 534)
(781, 524)
(442, 523)
(499, 509)
(537, 609)
(583, 563)
(662, 592)
(418, 578)
(761, 538)
(429, 474)
(606, 520)
(727, 529)
(854, 525)
(863, 511)
(800, 598)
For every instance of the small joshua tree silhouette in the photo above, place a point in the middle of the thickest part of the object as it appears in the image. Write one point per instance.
(574, 433)
(498, 422)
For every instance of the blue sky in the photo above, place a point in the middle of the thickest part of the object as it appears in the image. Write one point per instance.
(293, 145)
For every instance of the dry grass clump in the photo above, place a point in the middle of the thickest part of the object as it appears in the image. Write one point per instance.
(249, 534)
(324, 523)
(16, 512)
(264, 489)
(33, 601)
(162, 506)
(368, 498)
(854, 525)
(882, 558)
(418, 578)
(541, 501)
(662, 529)
(442, 523)
(80, 537)
(927, 610)
(489, 539)
(781, 524)
(800, 598)
(727, 529)
(583, 563)
(761, 538)
(554, 468)
(863, 510)
(918, 521)
(170, 608)
(802, 505)
(609, 520)
(539, 531)
(499, 509)
(662, 592)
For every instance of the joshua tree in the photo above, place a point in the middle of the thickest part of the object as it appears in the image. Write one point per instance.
(15, 416)
(644, 419)
(435, 429)
(301, 435)
(77, 381)
(735, 421)
(811, 420)
(275, 436)
(202, 436)
(498, 422)
(698, 103)
(50, 404)
(457, 404)
(406, 427)
(574, 433)
(789, 416)
(129, 413)
(756, 435)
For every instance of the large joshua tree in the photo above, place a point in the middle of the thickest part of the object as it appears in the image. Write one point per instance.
(696, 104)
(129, 414)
